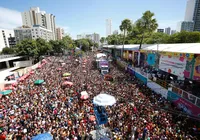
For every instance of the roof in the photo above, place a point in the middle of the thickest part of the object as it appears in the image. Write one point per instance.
(193, 48)
(10, 58)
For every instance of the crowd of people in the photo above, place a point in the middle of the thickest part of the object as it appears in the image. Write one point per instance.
(52, 107)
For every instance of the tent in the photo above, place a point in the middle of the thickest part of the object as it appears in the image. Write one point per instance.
(38, 82)
(66, 74)
(44, 136)
(6, 92)
(104, 99)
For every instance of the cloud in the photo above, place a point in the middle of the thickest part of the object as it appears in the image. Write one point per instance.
(9, 18)
(168, 23)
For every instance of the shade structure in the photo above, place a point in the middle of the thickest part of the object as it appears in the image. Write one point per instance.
(66, 74)
(38, 82)
(44, 136)
(67, 83)
(6, 92)
(84, 95)
(104, 100)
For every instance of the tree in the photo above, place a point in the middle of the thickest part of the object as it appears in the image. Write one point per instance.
(146, 24)
(8, 50)
(43, 47)
(57, 46)
(125, 26)
(102, 40)
(96, 45)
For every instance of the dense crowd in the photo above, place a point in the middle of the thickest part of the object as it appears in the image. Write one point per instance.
(51, 107)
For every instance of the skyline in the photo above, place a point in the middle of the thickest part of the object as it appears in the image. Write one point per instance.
(77, 17)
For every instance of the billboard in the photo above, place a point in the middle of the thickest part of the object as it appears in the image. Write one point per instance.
(173, 65)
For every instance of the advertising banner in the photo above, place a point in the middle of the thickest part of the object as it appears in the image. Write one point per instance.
(183, 104)
(196, 75)
(141, 77)
(173, 65)
(151, 59)
(157, 88)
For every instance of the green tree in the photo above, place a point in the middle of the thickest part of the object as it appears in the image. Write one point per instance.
(146, 25)
(125, 26)
(8, 50)
(57, 46)
(43, 47)
(102, 40)
(96, 45)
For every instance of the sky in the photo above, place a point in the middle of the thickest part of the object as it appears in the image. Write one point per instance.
(89, 16)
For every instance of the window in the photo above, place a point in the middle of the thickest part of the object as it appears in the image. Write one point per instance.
(33, 36)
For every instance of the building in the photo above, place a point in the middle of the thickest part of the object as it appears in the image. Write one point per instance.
(108, 27)
(89, 36)
(59, 33)
(173, 32)
(4, 35)
(34, 32)
(96, 38)
(185, 26)
(168, 30)
(11, 40)
(196, 17)
(160, 30)
(36, 17)
(115, 32)
(189, 12)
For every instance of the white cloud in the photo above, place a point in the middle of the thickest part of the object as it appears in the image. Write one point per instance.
(168, 23)
(9, 19)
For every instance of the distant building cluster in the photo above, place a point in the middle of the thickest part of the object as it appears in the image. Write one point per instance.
(94, 37)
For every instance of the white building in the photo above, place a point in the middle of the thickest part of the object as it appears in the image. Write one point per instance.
(185, 26)
(189, 12)
(168, 30)
(36, 17)
(108, 27)
(115, 32)
(4, 35)
(34, 32)
(96, 38)
(59, 33)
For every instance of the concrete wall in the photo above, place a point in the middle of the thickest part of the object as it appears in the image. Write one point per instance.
(22, 63)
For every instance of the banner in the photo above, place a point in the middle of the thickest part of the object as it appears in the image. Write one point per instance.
(141, 77)
(151, 59)
(157, 88)
(173, 65)
(183, 104)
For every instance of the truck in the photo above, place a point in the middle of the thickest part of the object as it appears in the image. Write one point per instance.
(104, 67)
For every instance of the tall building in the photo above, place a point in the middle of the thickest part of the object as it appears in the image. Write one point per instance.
(185, 26)
(168, 30)
(196, 17)
(36, 17)
(59, 33)
(108, 27)
(173, 32)
(4, 36)
(160, 30)
(34, 32)
(189, 12)
(96, 38)
(115, 32)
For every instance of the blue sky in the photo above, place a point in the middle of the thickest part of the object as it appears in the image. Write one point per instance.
(88, 16)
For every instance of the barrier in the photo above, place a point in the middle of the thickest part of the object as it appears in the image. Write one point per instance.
(141, 77)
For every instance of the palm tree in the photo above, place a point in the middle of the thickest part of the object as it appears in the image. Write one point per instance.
(125, 26)
(147, 24)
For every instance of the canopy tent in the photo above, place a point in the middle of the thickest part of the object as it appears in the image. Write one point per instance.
(44, 136)
(84, 95)
(66, 74)
(99, 55)
(38, 82)
(104, 100)
(67, 83)
(6, 92)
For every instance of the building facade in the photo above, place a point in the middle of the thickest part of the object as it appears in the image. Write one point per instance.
(160, 30)
(168, 30)
(185, 26)
(96, 38)
(108, 27)
(189, 12)
(4, 35)
(33, 33)
(59, 33)
(196, 17)
(36, 17)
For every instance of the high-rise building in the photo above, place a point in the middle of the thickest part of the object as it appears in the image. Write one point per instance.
(115, 32)
(34, 32)
(96, 38)
(185, 26)
(4, 35)
(36, 17)
(108, 27)
(160, 30)
(173, 32)
(168, 30)
(189, 12)
(196, 17)
(59, 33)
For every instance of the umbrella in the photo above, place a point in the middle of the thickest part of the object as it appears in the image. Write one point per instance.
(104, 99)
(44, 61)
(32, 72)
(6, 92)
(66, 74)
(83, 66)
(44, 136)
(66, 78)
(92, 118)
(59, 68)
(68, 83)
(38, 82)
(84, 71)
(84, 95)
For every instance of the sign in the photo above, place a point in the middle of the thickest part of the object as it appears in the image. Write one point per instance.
(141, 77)
(157, 88)
(173, 65)
(151, 59)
